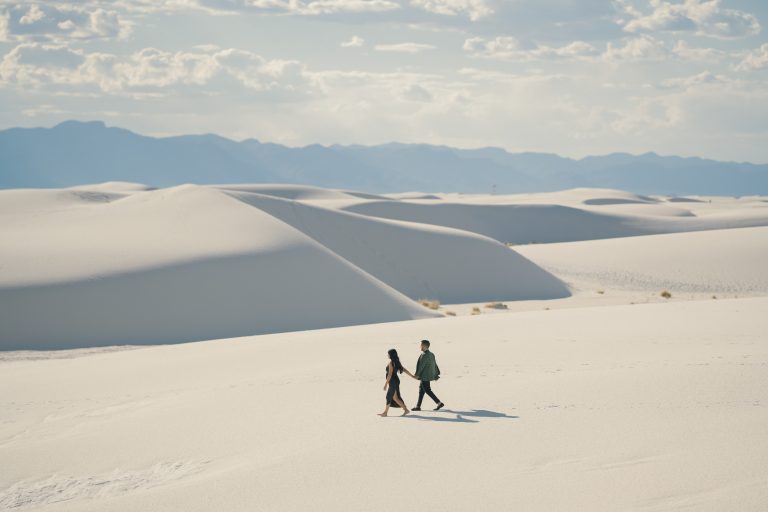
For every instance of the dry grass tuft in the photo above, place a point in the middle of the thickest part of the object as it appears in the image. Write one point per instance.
(450, 313)
(476, 310)
(496, 305)
(430, 303)
(601, 292)
(666, 294)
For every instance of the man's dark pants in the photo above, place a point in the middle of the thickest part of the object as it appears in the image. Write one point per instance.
(426, 388)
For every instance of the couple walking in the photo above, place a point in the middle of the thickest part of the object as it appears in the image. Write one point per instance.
(426, 371)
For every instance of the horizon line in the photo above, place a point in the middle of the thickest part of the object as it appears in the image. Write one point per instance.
(390, 143)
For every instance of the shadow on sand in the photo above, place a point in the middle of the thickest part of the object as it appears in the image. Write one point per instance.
(461, 416)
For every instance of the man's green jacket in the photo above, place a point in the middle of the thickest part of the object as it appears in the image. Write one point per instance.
(426, 367)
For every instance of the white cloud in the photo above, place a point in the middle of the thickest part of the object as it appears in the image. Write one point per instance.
(638, 48)
(353, 42)
(704, 17)
(107, 24)
(686, 52)
(687, 82)
(4, 22)
(755, 59)
(51, 66)
(474, 9)
(404, 47)
(32, 64)
(647, 48)
(498, 46)
(298, 7)
(63, 22)
(34, 14)
(509, 48)
(416, 92)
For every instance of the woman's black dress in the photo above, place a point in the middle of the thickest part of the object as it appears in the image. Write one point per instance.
(394, 387)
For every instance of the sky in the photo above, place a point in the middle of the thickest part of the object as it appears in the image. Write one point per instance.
(576, 78)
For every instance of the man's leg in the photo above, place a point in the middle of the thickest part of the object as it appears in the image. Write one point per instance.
(427, 388)
(421, 394)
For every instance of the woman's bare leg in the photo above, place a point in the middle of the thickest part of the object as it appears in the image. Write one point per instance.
(386, 410)
(396, 397)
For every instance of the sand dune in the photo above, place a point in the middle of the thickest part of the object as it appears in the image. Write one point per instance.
(652, 407)
(117, 263)
(573, 215)
(418, 260)
(301, 192)
(181, 264)
(731, 261)
(589, 407)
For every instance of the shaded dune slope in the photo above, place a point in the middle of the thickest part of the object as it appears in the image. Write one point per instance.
(547, 223)
(418, 260)
(175, 265)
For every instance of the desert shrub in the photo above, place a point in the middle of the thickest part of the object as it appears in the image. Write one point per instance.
(666, 294)
(450, 313)
(601, 292)
(476, 310)
(430, 303)
(496, 305)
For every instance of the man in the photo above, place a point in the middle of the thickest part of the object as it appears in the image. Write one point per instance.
(426, 371)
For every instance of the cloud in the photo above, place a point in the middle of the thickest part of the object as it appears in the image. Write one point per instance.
(5, 19)
(686, 52)
(647, 48)
(703, 17)
(353, 42)
(297, 7)
(62, 22)
(34, 14)
(474, 9)
(415, 92)
(31, 64)
(687, 82)
(509, 48)
(50, 67)
(635, 49)
(755, 59)
(403, 47)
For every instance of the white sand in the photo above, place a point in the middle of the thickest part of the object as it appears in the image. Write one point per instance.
(652, 407)
(181, 264)
(594, 405)
(725, 262)
(572, 215)
(97, 266)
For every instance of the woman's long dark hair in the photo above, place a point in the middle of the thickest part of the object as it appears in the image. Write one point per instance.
(395, 360)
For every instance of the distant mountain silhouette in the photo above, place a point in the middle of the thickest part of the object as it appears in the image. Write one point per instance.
(74, 153)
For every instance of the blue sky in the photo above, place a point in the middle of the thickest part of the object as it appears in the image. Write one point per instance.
(571, 77)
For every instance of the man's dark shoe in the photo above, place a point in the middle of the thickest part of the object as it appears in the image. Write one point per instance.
(417, 408)
(439, 406)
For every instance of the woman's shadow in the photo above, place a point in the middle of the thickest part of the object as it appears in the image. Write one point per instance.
(463, 416)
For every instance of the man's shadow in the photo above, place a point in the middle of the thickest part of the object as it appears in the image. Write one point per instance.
(462, 416)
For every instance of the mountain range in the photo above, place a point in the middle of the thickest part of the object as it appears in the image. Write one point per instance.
(75, 153)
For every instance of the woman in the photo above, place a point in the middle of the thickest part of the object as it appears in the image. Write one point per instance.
(393, 382)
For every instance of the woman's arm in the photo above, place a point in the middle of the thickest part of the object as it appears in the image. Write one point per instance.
(390, 369)
(409, 373)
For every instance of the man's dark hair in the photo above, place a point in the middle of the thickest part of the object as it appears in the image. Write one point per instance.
(425, 342)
